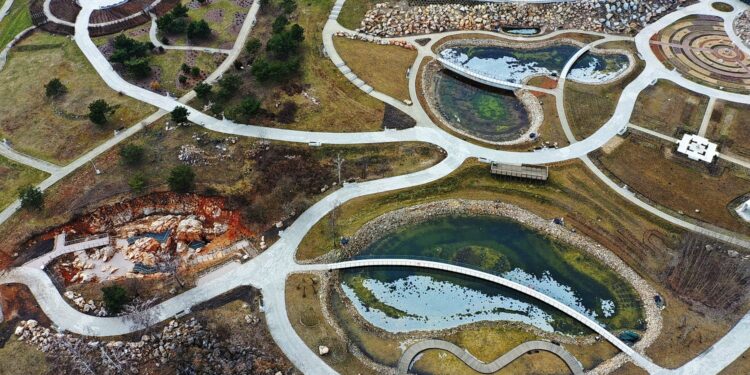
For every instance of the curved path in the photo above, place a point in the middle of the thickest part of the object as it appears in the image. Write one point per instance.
(5, 9)
(638, 358)
(280, 256)
(487, 368)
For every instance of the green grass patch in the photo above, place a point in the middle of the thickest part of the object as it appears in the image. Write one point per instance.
(14, 176)
(17, 20)
(57, 130)
(354, 11)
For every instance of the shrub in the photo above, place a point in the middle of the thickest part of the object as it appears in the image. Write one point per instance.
(195, 71)
(198, 30)
(131, 154)
(31, 197)
(55, 88)
(99, 110)
(253, 46)
(181, 179)
(115, 298)
(180, 115)
(202, 90)
(137, 183)
(279, 24)
(287, 112)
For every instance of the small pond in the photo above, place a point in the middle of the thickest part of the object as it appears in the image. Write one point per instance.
(515, 64)
(411, 299)
(485, 112)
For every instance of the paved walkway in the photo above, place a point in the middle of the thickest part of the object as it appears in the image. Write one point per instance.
(5, 9)
(280, 256)
(638, 358)
(62, 247)
(487, 368)
(31, 161)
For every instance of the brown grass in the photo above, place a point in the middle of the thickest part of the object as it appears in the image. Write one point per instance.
(669, 109)
(303, 305)
(33, 123)
(729, 127)
(588, 107)
(382, 67)
(648, 167)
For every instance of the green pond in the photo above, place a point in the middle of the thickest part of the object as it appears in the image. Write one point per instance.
(404, 299)
(485, 112)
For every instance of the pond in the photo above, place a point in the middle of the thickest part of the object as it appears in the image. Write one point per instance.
(487, 113)
(410, 299)
(516, 65)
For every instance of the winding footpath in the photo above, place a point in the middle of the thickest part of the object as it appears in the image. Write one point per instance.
(280, 256)
(487, 368)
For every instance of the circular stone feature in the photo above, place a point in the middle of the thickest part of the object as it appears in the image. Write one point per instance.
(699, 48)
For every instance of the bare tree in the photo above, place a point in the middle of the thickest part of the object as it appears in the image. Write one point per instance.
(338, 162)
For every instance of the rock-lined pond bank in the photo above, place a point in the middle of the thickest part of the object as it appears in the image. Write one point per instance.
(386, 224)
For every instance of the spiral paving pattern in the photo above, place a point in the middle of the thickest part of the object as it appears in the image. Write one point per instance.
(699, 48)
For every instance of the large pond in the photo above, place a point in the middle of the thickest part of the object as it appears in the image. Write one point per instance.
(515, 65)
(490, 114)
(403, 299)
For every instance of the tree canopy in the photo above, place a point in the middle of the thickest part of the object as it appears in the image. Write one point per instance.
(55, 88)
(180, 115)
(31, 197)
(181, 179)
(99, 110)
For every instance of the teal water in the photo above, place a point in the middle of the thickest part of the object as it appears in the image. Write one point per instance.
(496, 245)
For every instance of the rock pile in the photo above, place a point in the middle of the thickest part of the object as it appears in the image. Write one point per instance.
(371, 39)
(620, 16)
(86, 306)
(742, 27)
(161, 348)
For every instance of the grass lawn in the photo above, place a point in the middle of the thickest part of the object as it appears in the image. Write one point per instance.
(326, 100)
(21, 358)
(354, 11)
(17, 20)
(382, 67)
(588, 107)
(57, 130)
(168, 64)
(304, 311)
(488, 342)
(669, 109)
(14, 176)
(648, 168)
(729, 127)
(220, 15)
(571, 193)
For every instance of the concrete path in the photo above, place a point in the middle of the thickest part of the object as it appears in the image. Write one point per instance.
(707, 117)
(638, 358)
(5, 9)
(30, 161)
(411, 353)
(280, 256)
(62, 247)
